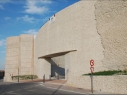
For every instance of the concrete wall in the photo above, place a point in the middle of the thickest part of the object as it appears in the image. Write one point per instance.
(12, 57)
(44, 68)
(26, 54)
(19, 55)
(110, 84)
(58, 66)
(96, 29)
(72, 31)
(111, 17)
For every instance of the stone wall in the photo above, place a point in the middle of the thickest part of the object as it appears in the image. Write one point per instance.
(72, 29)
(95, 29)
(12, 57)
(26, 54)
(110, 84)
(19, 56)
(111, 17)
(58, 66)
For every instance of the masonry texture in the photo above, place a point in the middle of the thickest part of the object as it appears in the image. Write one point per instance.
(111, 16)
(19, 56)
(86, 30)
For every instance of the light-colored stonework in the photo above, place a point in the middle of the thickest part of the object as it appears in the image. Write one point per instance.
(19, 56)
(86, 30)
(111, 17)
(116, 84)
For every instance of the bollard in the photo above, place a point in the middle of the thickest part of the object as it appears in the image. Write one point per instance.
(18, 74)
(49, 77)
(58, 76)
(32, 77)
(18, 78)
(44, 78)
(12, 77)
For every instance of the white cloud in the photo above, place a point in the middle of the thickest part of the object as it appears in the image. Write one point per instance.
(26, 18)
(1, 7)
(45, 1)
(7, 18)
(5, 1)
(2, 42)
(37, 6)
(32, 31)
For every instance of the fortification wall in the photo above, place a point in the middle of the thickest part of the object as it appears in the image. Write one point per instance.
(12, 57)
(26, 54)
(19, 56)
(111, 17)
(96, 30)
(74, 28)
(110, 84)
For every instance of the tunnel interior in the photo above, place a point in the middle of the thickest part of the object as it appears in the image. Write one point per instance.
(58, 67)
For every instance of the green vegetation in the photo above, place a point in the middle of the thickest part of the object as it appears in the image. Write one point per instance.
(110, 72)
(25, 77)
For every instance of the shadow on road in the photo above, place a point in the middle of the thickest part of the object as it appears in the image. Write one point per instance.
(59, 87)
(1, 77)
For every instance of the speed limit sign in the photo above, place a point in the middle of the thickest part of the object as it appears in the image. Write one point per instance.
(92, 69)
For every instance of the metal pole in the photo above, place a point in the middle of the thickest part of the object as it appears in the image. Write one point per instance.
(58, 76)
(12, 76)
(44, 78)
(32, 77)
(18, 74)
(49, 77)
(91, 82)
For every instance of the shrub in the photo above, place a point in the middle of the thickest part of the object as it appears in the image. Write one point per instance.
(25, 77)
(110, 72)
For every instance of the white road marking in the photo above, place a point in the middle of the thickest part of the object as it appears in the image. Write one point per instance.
(46, 87)
(66, 90)
(42, 84)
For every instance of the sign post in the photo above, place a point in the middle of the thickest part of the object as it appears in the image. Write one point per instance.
(92, 69)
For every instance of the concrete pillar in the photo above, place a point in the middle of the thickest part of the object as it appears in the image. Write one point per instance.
(45, 68)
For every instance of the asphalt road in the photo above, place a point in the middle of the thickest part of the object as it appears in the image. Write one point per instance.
(1, 80)
(29, 88)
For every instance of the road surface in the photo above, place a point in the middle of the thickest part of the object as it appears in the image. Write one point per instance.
(32, 88)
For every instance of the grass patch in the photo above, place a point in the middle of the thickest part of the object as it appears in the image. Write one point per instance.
(110, 72)
(25, 77)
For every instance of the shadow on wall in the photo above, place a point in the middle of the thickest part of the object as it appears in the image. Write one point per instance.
(55, 69)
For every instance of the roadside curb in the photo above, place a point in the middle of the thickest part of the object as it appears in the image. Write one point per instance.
(75, 91)
(61, 86)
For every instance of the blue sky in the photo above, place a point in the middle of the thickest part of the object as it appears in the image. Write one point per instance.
(25, 17)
